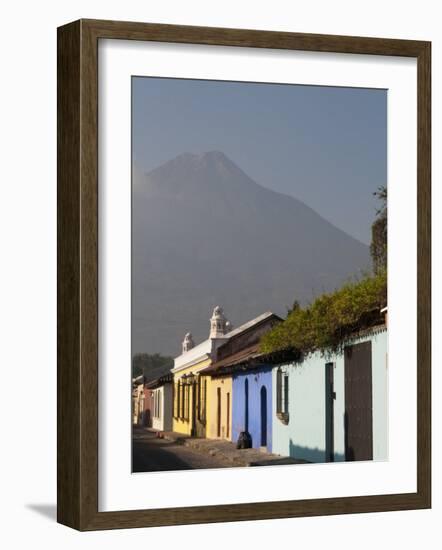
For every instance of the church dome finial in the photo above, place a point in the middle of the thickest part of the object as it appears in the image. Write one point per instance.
(188, 342)
(218, 323)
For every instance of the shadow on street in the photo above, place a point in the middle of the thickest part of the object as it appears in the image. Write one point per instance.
(152, 454)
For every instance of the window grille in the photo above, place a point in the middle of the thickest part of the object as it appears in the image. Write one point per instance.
(282, 395)
(285, 400)
(203, 399)
(279, 391)
(182, 400)
(198, 397)
(175, 400)
(186, 402)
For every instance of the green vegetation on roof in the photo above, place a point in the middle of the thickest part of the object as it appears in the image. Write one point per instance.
(331, 318)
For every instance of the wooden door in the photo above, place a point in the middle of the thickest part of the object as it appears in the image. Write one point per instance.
(200, 390)
(358, 402)
(329, 412)
(218, 427)
(228, 416)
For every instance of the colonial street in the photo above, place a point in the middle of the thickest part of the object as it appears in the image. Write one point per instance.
(153, 454)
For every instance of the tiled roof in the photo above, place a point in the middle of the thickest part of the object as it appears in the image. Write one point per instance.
(250, 324)
(248, 358)
(160, 381)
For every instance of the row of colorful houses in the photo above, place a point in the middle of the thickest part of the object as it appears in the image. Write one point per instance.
(317, 408)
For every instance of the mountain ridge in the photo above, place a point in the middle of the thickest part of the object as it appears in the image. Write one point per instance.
(206, 233)
(222, 157)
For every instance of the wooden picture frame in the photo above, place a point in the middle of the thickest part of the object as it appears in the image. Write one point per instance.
(77, 225)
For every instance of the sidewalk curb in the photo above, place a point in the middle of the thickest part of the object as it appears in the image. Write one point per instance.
(215, 452)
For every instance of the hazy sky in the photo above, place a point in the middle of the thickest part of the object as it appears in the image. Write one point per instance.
(325, 146)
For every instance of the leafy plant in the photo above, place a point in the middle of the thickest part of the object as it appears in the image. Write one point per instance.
(331, 318)
(378, 246)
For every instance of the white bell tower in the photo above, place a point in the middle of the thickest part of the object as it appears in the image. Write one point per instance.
(188, 342)
(218, 323)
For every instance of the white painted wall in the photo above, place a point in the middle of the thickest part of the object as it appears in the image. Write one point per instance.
(380, 397)
(162, 421)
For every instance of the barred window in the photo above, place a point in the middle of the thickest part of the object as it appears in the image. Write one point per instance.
(285, 394)
(175, 400)
(182, 397)
(158, 403)
(198, 397)
(282, 392)
(203, 399)
(186, 402)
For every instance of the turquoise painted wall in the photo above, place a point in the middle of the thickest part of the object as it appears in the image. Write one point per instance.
(304, 437)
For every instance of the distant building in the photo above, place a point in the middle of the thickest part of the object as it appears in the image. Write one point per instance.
(160, 394)
(143, 396)
(147, 417)
(138, 400)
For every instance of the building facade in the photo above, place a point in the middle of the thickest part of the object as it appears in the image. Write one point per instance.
(147, 419)
(240, 394)
(219, 407)
(138, 401)
(160, 393)
(252, 405)
(189, 384)
(334, 407)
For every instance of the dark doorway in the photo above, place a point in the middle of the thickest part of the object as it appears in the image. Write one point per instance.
(263, 416)
(246, 405)
(228, 416)
(358, 402)
(199, 408)
(329, 412)
(218, 406)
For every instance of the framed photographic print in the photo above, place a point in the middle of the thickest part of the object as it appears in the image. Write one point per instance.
(243, 275)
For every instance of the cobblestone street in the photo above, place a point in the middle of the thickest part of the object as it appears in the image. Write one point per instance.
(150, 453)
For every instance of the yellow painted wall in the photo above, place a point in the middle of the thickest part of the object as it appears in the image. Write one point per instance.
(184, 426)
(225, 385)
